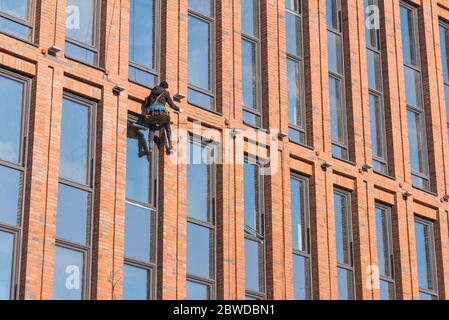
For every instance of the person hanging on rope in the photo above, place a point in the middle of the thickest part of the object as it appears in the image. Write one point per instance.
(156, 114)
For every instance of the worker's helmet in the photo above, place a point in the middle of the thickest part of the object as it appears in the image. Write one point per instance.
(164, 84)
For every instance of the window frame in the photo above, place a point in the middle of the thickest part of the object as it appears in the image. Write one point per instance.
(299, 60)
(307, 255)
(97, 14)
(433, 263)
(31, 23)
(387, 210)
(211, 21)
(445, 25)
(211, 225)
(260, 235)
(89, 188)
(347, 195)
(21, 166)
(156, 46)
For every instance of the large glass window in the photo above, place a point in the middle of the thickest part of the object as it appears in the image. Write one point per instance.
(140, 217)
(295, 71)
(143, 49)
(425, 259)
(385, 252)
(375, 91)
(75, 197)
(414, 97)
(83, 30)
(302, 282)
(254, 231)
(13, 110)
(337, 99)
(251, 93)
(201, 53)
(200, 221)
(444, 44)
(16, 18)
(344, 244)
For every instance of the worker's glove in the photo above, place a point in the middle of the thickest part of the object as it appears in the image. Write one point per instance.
(181, 110)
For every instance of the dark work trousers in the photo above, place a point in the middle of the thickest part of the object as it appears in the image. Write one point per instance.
(154, 128)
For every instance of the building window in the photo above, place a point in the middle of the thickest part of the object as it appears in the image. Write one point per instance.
(344, 243)
(254, 230)
(143, 40)
(251, 68)
(82, 40)
(200, 222)
(444, 44)
(425, 258)
(337, 95)
(385, 252)
(201, 52)
(16, 18)
(302, 284)
(13, 110)
(295, 71)
(139, 271)
(75, 199)
(375, 92)
(414, 97)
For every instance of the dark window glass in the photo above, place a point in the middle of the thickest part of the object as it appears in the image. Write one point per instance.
(345, 284)
(254, 266)
(293, 5)
(425, 259)
(82, 31)
(372, 34)
(204, 7)
(69, 277)
(413, 88)
(10, 195)
(417, 154)
(73, 205)
(333, 11)
(410, 46)
(11, 106)
(299, 215)
(444, 44)
(250, 17)
(295, 110)
(74, 154)
(293, 34)
(338, 118)
(335, 56)
(15, 18)
(374, 74)
(6, 262)
(197, 291)
(249, 74)
(139, 233)
(135, 283)
(378, 134)
(251, 197)
(301, 279)
(200, 250)
(198, 186)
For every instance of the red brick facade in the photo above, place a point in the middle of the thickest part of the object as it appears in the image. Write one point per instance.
(51, 76)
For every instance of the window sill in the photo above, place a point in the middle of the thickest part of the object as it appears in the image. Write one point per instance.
(205, 109)
(384, 175)
(352, 163)
(301, 145)
(425, 191)
(31, 43)
(85, 64)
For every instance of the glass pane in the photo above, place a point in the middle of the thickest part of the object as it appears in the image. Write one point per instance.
(199, 53)
(426, 296)
(424, 256)
(198, 187)
(15, 29)
(135, 283)
(339, 152)
(251, 119)
(200, 249)
(80, 54)
(293, 25)
(251, 196)
(333, 14)
(68, 277)
(372, 34)
(409, 37)
(342, 229)
(383, 242)
(201, 6)
(301, 278)
(141, 32)
(294, 5)
(416, 133)
(15, 8)
(377, 128)
(250, 17)
(254, 266)
(298, 211)
(200, 99)
(142, 77)
(73, 206)
(249, 75)
(139, 233)
(413, 88)
(197, 291)
(74, 141)
(374, 70)
(6, 263)
(10, 195)
(420, 182)
(138, 185)
(387, 290)
(11, 103)
(444, 44)
(446, 95)
(338, 113)
(335, 53)
(296, 136)
(295, 112)
(345, 284)
(80, 22)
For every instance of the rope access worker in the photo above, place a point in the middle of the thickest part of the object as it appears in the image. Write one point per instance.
(157, 115)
